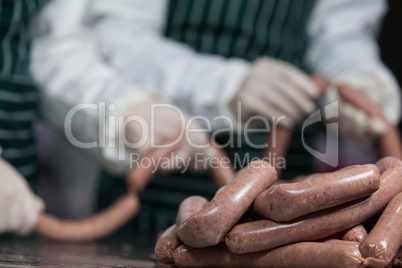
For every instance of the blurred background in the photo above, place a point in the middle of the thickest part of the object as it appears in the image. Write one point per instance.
(74, 186)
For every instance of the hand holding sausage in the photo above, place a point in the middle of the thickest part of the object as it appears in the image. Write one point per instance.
(355, 123)
(19, 206)
(275, 88)
(163, 124)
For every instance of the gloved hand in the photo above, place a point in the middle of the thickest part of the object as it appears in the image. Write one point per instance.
(275, 88)
(354, 124)
(19, 207)
(163, 127)
(166, 125)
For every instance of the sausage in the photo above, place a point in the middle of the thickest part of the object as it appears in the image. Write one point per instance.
(298, 178)
(222, 175)
(388, 162)
(166, 244)
(278, 142)
(215, 219)
(281, 182)
(383, 242)
(189, 207)
(106, 221)
(92, 228)
(286, 202)
(138, 178)
(390, 141)
(280, 137)
(220, 190)
(334, 241)
(266, 234)
(397, 261)
(306, 254)
(357, 233)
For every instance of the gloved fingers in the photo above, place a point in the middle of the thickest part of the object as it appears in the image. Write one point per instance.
(355, 124)
(195, 135)
(191, 144)
(299, 102)
(271, 112)
(280, 101)
(301, 81)
(20, 207)
(347, 130)
(162, 122)
(27, 218)
(265, 97)
(331, 95)
(377, 126)
(286, 86)
(10, 197)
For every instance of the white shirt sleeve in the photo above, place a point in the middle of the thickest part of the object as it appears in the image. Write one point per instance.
(343, 47)
(132, 40)
(102, 51)
(69, 69)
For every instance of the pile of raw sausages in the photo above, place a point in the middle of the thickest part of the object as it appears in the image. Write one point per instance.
(320, 221)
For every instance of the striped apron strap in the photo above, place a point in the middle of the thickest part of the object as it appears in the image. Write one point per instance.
(18, 96)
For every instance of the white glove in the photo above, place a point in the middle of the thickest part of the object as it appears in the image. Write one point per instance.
(354, 124)
(19, 207)
(169, 123)
(275, 88)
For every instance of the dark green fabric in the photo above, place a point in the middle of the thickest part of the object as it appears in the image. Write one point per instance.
(246, 29)
(242, 28)
(18, 96)
(16, 35)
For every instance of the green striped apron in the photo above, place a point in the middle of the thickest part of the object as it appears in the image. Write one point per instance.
(18, 96)
(233, 28)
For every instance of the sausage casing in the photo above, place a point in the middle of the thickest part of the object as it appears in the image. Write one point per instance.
(357, 233)
(286, 202)
(215, 219)
(397, 261)
(306, 254)
(266, 234)
(387, 163)
(92, 228)
(189, 207)
(166, 244)
(385, 239)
